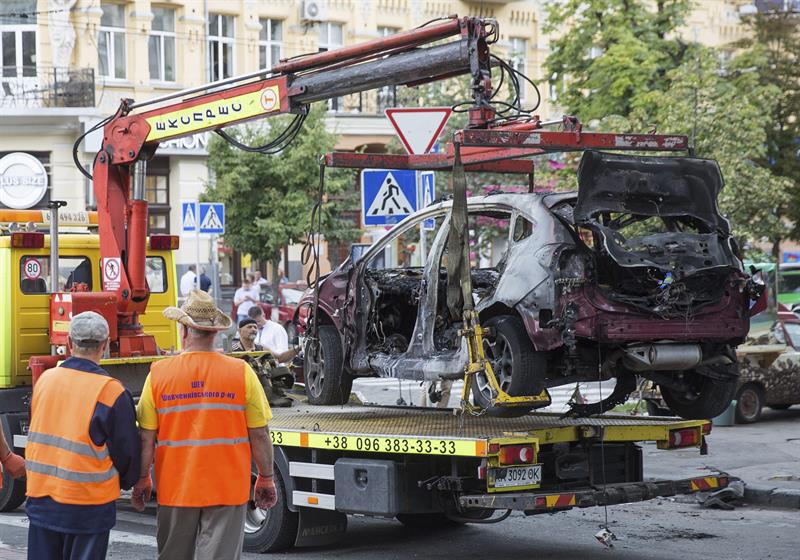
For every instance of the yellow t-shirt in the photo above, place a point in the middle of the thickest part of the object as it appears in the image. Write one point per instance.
(257, 413)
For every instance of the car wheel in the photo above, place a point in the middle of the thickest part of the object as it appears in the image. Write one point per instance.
(705, 397)
(326, 381)
(270, 530)
(12, 494)
(516, 364)
(749, 403)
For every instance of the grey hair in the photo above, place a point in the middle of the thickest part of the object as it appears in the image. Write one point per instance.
(254, 312)
(200, 334)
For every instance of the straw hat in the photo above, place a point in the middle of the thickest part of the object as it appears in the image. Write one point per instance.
(199, 312)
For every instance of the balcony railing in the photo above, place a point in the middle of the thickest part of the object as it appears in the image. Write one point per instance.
(35, 86)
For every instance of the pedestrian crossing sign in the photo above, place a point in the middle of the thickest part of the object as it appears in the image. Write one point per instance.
(189, 214)
(387, 196)
(212, 217)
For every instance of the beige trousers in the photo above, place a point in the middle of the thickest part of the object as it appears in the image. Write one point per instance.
(193, 533)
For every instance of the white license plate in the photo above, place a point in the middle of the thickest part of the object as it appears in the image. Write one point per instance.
(513, 477)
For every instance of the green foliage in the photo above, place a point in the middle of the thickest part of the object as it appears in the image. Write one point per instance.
(643, 75)
(268, 198)
(611, 53)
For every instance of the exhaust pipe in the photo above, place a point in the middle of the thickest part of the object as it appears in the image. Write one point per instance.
(654, 357)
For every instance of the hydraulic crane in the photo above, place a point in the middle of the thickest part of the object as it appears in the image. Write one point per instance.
(432, 52)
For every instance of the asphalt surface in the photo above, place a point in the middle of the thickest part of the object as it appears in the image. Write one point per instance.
(764, 455)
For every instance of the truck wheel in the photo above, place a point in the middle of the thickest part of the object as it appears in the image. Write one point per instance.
(326, 381)
(516, 364)
(270, 530)
(706, 397)
(12, 494)
(749, 403)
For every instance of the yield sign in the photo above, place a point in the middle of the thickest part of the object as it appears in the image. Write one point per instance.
(418, 128)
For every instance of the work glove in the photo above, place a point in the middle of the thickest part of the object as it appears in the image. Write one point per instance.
(141, 493)
(14, 465)
(266, 496)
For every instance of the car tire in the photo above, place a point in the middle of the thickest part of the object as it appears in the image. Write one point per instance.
(12, 494)
(749, 403)
(326, 381)
(272, 530)
(516, 353)
(709, 397)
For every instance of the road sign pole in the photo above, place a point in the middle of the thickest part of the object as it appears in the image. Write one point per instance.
(215, 268)
(197, 245)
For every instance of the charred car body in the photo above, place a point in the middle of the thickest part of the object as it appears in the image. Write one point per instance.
(636, 274)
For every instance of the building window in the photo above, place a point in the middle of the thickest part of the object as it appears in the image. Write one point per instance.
(387, 95)
(17, 41)
(331, 36)
(269, 42)
(156, 192)
(220, 47)
(111, 42)
(161, 45)
(517, 58)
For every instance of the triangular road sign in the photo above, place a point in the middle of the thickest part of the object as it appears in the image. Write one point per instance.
(418, 127)
(390, 200)
(211, 220)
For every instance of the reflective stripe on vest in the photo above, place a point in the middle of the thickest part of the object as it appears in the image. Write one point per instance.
(201, 406)
(61, 460)
(67, 445)
(203, 449)
(203, 442)
(73, 476)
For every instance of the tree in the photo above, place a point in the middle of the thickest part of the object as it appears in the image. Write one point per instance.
(610, 53)
(269, 197)
(773, 49)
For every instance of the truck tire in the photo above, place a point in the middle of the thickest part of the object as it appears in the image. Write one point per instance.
(270, 530)
(749, 403)
(12, 494)
(707, 398)
(326, 381)
(509, 350)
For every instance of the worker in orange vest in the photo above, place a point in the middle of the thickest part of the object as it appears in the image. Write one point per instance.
(209, 414)
(83, 446)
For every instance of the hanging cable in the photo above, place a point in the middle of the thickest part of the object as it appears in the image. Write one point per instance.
(277, 144)
(77, 144)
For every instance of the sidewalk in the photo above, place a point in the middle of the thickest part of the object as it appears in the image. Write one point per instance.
(765, 455)
(12, 554)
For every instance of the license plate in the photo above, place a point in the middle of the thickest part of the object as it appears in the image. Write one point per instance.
(513, 477)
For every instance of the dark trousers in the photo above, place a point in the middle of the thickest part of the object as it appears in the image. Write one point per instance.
(44, 544)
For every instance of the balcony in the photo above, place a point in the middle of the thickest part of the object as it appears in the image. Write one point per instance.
(35, 86)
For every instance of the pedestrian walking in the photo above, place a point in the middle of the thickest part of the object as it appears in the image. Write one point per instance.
(246, 297)
(205, 281)
(83, 446)
(209, 414)
(188, 280)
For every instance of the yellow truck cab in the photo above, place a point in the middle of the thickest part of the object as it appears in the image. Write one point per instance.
(25, 287)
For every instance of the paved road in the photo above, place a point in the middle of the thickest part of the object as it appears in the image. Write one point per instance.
(653, 531)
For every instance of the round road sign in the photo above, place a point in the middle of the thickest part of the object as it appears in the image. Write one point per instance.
(32, 269)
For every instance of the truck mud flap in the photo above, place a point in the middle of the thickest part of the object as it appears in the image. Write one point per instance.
(320, 527)
(539, 502)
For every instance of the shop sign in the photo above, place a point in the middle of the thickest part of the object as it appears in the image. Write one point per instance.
(23, 181)
(196, 144)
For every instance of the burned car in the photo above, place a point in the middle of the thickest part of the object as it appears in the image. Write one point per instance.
(635, 274)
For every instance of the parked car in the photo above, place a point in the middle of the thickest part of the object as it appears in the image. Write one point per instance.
(636, 274)
(290, 294)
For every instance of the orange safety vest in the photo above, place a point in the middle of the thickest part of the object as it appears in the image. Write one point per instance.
(61, 460)
(203, 453)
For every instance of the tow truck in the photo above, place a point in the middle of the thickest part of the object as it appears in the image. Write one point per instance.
(420, 466)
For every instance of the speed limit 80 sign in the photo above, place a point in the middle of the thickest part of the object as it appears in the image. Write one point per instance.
(32, 269)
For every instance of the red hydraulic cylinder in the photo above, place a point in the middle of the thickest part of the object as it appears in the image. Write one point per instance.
(137, 240)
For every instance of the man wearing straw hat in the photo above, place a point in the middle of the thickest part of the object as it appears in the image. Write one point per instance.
(209, 414)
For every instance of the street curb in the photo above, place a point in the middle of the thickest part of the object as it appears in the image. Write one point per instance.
(773, 497)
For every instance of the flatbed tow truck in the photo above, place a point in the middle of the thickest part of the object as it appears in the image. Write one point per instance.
(430, 467)
(424, 467)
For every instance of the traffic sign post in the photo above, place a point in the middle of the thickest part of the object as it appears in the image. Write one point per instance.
(427, 193)
(211, 218)
(387, 196)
